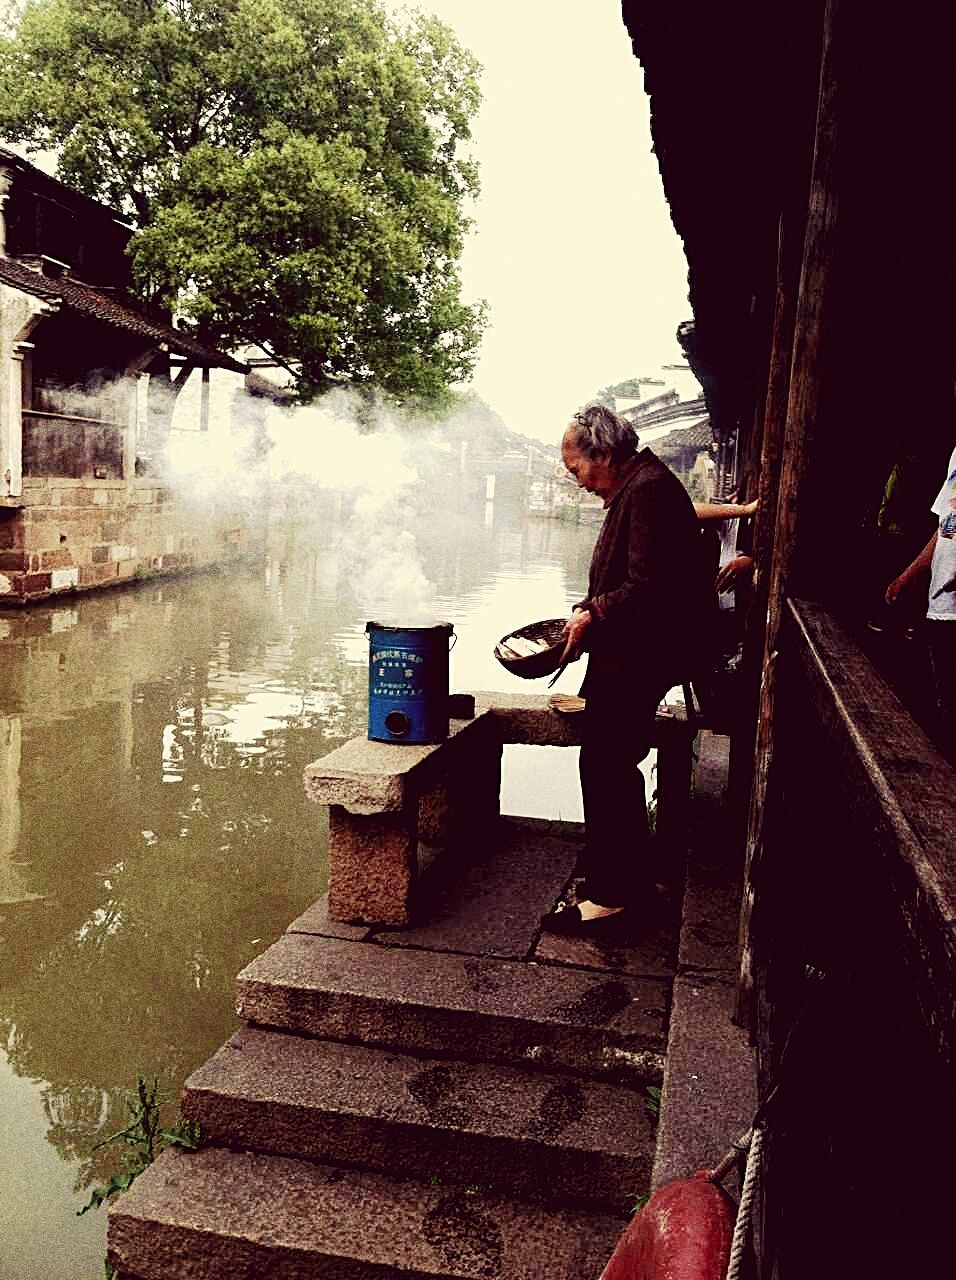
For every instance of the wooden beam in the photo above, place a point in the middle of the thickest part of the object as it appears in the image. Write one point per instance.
(803, 393)
(774, 428)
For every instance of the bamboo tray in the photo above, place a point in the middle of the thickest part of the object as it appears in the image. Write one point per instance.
(533, 651)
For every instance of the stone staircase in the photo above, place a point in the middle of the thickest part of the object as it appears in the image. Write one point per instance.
(398, 1106)
(531, 1134)
(463, 1098)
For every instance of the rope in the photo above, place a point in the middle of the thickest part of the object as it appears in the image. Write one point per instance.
(745, 1208)
(752, 1142)
(732, 1158)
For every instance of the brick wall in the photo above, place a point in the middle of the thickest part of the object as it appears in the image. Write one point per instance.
(72, 535)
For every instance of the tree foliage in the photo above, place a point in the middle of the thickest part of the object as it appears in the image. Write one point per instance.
(293, 168)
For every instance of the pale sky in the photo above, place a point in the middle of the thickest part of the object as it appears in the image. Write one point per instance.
(573, 246)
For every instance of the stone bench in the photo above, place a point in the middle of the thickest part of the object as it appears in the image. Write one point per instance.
(390, 805)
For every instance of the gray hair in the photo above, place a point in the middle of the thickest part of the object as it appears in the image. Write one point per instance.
(598, 430)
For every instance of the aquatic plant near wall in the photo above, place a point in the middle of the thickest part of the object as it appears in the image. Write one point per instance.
(145, 1139)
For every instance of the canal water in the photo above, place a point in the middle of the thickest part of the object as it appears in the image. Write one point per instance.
(154, 836)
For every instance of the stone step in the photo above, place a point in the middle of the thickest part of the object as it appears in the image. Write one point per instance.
(464, 1006)
(516, 1131)
(227, 1215)
(710, 1085)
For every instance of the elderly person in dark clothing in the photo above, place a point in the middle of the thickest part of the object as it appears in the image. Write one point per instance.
(643, 624)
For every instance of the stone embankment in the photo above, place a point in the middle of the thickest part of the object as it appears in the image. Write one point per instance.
(63, 536)
(465, 1097)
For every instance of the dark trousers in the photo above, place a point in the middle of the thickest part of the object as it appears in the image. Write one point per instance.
(941, 637)
(616, 734)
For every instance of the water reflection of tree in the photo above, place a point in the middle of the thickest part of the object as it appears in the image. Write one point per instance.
(79, 1117)
(157, 893)
(143, 985)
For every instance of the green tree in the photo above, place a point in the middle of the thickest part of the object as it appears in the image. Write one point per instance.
(293, 168)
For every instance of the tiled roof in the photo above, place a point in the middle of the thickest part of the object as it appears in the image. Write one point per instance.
(661, 410)
(698, 436)
(701, 434)
(98, 306)
(258, 385)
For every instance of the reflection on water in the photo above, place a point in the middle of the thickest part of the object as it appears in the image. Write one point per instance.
(153, 831)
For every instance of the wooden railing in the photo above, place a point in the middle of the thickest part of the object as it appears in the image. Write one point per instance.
(70, 445)
(853, 937)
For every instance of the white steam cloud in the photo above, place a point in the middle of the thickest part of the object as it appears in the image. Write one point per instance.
(389, 582)
(241, 453)
(258, 449)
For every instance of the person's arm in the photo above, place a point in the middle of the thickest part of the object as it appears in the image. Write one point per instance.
(918, 571)
(724, 510)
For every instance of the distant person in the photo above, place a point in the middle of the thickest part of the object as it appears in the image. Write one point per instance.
(737, 566)
(902, 527)
(934, 572)
(643, 624)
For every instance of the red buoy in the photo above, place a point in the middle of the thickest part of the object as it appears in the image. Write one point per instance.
(684, 1232)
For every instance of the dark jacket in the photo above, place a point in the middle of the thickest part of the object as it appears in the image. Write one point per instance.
(650, 590)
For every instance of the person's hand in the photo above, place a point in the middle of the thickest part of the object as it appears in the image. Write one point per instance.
(746, 508)
(574, 630)
(739, 567)
(899, 588)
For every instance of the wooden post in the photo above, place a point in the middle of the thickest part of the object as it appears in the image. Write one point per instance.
(775, 421)
(204, 400)
(768, 483)
(801, 419)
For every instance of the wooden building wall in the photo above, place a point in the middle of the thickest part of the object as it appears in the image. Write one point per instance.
(827, 129)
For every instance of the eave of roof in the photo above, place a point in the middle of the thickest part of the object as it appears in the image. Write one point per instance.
(46, 184)
(733, 93)
(98, 306)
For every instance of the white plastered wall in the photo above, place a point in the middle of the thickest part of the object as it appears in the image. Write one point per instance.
(19, 313)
